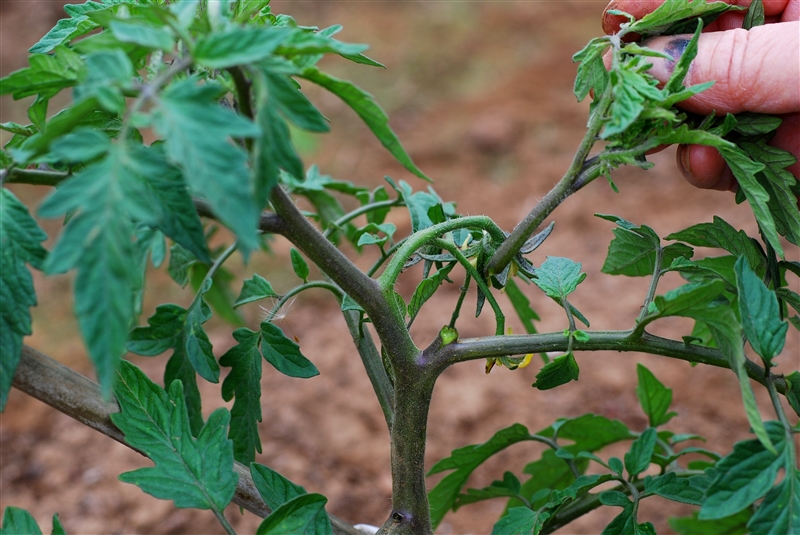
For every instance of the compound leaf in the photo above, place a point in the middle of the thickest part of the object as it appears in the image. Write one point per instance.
(197, 132)
(192, 472)
(20, 238)
(244, 383)
(284, 354)
(719, 233)
(730, 525)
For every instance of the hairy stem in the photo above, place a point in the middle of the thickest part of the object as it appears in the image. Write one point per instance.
(425, 236)
(564, 188)
(361, 288)
(79, 397)
(373, 363)
(224, 521)
(461, 296)
(498, 346)
(34, 177)
(296, 290)
(346, 218)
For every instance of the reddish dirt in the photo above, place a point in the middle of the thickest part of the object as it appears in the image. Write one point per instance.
(480, 93)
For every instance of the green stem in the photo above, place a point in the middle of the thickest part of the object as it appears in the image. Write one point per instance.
(213, 269)
(651, 293)
(457, 311)
(35, 177)
(555, 196)
(346, 218)
(473, 272)
(385, 256)
(522, 344)
(424, 236)
(224, 521)
(373, 363)
(296, 290)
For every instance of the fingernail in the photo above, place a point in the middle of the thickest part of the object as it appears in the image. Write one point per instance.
(683, 159)
(662, 68)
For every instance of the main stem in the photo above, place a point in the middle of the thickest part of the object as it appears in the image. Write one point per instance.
(413, 388)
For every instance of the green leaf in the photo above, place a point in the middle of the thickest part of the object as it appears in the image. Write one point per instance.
(558, 277)
(754, 17)
(665, 15)
(192, 472)
(721, 234)
(373, 116)
(730, 525)
(79, 146)
(779, 183)
(559, 371)
(418, 204)
(745, 170)
(298, 515)
(98, 242)
(276, 490)
(793, 390)
(671, 487)
(761, 318)
(426, 288)
(143, 34)
(197, 132)
(219, 296)
(48, 73)
(592, 73)
(779, 512)
(76, 25)
(654, 397)
(237, 46)
(274, 150)
(173, 327)
(20, 243)
(244, 383)
(745, 475)
(753, 124)
(19, 521)
(614, 498)
(284, 354)
(273, 487)
(299, 264)
(463, 461)
(687, 298)
(520, 520)
(253, 289)
(633, 250)
(522, 306)
(294, 105)
(508, 487)
(637, 459)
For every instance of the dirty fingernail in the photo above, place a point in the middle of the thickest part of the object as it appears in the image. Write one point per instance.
(662, 68)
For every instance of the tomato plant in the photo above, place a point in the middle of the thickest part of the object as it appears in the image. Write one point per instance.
(180, 123)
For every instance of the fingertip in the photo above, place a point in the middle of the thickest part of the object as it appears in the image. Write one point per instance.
(704, 167)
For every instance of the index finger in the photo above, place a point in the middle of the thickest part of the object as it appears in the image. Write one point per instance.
(640, 8)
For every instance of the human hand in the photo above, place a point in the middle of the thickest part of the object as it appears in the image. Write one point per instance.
(756, 71)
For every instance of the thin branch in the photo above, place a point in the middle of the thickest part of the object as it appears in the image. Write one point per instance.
(79, 397)
(498, 346)
(575, 176)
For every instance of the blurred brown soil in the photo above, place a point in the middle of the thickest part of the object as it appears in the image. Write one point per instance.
(480, 93)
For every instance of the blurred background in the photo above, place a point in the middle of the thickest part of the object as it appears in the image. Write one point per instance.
(480, 93)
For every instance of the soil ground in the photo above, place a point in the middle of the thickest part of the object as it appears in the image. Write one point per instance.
(480, 94)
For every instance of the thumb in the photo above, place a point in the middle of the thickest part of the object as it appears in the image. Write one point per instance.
(756, 70)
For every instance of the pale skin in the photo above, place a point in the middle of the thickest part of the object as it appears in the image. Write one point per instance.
(756, 71)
